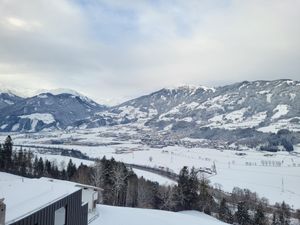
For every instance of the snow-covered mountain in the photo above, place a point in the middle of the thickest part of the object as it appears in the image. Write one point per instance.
(49, 110)
(8, 98)
(263, 105)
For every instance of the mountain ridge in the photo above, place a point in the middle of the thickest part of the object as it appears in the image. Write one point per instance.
(257, 104)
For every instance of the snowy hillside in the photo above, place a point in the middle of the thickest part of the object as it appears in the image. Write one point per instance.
(47, 111)
(8, 98)
(131, 216)
(240, 114)
(71, 92)
(265, 105)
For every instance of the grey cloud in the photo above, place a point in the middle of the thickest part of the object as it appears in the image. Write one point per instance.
(166, 43)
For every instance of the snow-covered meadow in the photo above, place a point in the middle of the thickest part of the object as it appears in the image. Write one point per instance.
(275, 176)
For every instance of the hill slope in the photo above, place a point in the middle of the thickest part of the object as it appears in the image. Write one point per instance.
(263, 105)
(260, 105)
(47, 111)
(8, 98)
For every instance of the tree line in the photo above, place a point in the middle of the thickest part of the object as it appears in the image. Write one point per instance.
(122, 187)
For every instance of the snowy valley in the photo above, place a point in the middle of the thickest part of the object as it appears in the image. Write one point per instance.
(241, 136)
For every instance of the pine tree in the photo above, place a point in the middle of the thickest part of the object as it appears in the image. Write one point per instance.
(48, 169)
(7, 152)
(167, 193)
(106, 178)
(193, 183)
(186, 193)
(29, 165)
(55, 172)
(71, 169)
(132, 190)
(275, 219)
(22, 161)
(259, 217)
(64, 175)
(148, 195)
(40, 167)
(35, 166)
(281, 216)
(1, 158)
(242, 215)
(298, 214)
(224, 212)
(83, 174)
(182, 191)
(284, 214)
(205, 198)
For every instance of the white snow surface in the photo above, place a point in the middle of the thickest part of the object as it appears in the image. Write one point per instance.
(258, 171)
(274, 127)
(9, 91)
(8, 102)
(47, 118)
(236, 120)
(15, 127)
(3, 126)
(24, 196)
(255, 171)
(59, 91)
(280, 110)
(110, 215)
(154, 177)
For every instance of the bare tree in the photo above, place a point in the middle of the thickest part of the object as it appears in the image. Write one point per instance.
(97, 173)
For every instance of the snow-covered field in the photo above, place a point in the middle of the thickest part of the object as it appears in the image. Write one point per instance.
(110, 215)
(153, 177)
(275, 176)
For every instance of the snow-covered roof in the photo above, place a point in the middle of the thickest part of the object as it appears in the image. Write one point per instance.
(24, 196)
(89, 187)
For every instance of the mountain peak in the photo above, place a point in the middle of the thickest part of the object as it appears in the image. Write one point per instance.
(10, 92)
(190, 88)
(60, 91)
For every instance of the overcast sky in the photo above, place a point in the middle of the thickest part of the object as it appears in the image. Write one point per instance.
(114, 50)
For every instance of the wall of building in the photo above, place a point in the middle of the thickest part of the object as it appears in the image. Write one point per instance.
(89, 195)
(76, 213)
(2, 212)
